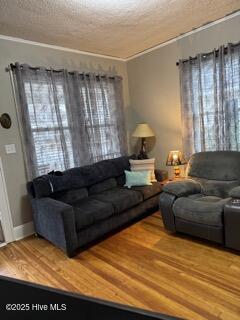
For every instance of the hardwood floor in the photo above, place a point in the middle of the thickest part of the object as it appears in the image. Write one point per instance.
(141, 266)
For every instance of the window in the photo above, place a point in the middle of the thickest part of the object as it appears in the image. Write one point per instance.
(101, 123)
(210, 90)
(68, 119)
(48, 124)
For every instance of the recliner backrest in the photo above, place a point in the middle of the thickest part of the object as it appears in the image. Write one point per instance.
(217, 171)
(215, 165)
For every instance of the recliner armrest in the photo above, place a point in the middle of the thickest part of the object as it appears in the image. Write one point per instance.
(235, 192)
(182, 187)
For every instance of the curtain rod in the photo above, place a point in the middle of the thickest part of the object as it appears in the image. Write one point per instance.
(12, 66)
(217, 50)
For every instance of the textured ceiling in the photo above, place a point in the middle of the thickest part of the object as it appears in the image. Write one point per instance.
(119, 28)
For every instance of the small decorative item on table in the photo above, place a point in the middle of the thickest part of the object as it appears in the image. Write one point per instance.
(176, 159)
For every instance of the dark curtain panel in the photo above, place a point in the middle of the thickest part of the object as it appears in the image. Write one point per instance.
(69, 119)
(210, 100)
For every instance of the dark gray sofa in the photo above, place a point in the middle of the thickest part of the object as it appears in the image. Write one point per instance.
(207, 203)
(83, 204)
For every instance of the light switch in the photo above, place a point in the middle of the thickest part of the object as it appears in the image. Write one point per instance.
(10, 148)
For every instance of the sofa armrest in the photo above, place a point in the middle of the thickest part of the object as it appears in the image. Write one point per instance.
(182, 187)
(55, 221)
(235, 192)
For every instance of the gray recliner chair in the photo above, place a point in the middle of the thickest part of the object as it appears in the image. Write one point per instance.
(207, 203)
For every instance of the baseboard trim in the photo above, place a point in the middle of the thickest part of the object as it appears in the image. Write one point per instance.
(23, 231)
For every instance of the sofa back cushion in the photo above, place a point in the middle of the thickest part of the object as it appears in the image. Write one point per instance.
(120, 164)
(70, 196)
(81, 177)
(215, 165)
(91, 174)
(102, 186)
(121, 180)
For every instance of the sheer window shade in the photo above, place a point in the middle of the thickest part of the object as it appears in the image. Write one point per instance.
(210, 100)
(69, 119)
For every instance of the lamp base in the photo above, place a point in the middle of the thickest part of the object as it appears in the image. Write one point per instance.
(142, 153)
(177, 172)
(142, 156)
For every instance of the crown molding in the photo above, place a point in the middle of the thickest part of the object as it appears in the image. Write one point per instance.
(198, 29)
(50, 46)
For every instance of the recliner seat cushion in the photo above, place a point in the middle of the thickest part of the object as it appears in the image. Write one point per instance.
(202, 209)
(149, 191)
(121, 199)
(89, 211)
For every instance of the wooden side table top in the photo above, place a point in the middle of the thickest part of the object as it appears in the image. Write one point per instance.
(170, 180)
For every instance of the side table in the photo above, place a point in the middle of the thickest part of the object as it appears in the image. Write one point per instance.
(232, 224)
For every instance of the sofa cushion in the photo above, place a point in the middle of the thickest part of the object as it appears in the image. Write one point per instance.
(200, 209)
(70, 196)
(149, 191)
(120, 164)
(144, 165)
(80, 177)
(137, 178)
(102, 186)
(121, 199)
(90, 211)
(121, 180)
(91, 174)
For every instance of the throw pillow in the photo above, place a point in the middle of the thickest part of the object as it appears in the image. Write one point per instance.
(144, 165)
(137, 178)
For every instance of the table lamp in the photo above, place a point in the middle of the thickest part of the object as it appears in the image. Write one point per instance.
(143, 131)
(176, 159)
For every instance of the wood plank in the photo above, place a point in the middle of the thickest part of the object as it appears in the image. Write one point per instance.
(141, 266)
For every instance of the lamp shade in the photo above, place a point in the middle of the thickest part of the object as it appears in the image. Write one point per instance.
(143, 131)
(175, 158)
